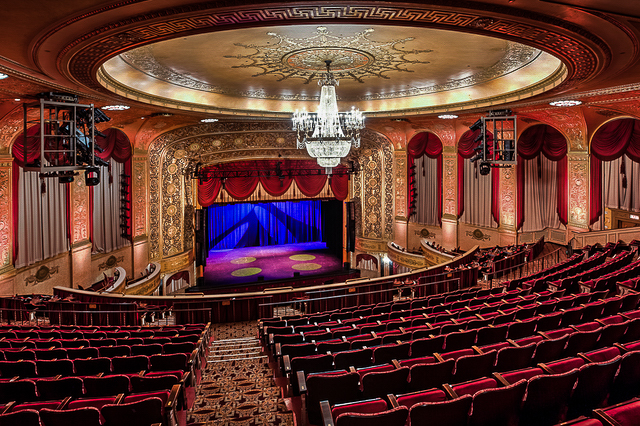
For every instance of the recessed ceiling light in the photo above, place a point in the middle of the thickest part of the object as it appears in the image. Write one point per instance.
(565, 103)
(3, 76)
(17, 99)
(115, 107)
(447, 116)
(209, 120)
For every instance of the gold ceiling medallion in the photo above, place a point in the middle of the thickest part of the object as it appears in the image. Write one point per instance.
(352, 57)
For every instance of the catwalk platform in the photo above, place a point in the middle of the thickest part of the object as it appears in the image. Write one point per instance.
(272, 263)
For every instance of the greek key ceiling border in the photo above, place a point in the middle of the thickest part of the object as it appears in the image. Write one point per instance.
(577, 47)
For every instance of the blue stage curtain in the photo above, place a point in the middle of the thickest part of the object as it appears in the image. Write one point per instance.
(264, 224)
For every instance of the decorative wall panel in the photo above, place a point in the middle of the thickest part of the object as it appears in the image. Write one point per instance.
(375, 186)
(5, 213)
(401, 182)
(449, 182)
(79, 211)
(139, 194)
(507, 197)
(578, 190)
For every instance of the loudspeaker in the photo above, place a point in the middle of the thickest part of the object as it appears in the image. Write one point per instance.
(260, 277)
(296, 274)
(201, 237)
(351, 226)
(347, 265)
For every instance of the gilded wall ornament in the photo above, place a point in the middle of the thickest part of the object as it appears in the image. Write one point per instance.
(5, 215)
(42, 274)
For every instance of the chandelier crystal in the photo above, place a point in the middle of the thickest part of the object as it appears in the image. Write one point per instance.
(328, 135)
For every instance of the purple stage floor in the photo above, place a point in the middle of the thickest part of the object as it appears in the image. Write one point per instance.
(245, 265)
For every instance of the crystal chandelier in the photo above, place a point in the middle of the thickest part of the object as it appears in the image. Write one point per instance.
(328, 134)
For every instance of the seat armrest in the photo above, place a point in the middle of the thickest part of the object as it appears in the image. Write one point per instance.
(8, 407)
(449, 391)
(500, 379)
(373, 333)
(477, 349)
(586, 358)
(271, 339)
(574, 327)
(278, 349)
(622, 348)
(302, 382)
(325, 409)
(545, 368)
(606, 419)
(63, 405)
(393, 401)
(395, 363)
(543, 334)
(513, 343)
(438, 357)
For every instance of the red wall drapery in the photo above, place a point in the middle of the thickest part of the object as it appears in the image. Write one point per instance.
(430, 145)
(240, 188)
(466, 147)
(552, 144)
(115, 144)
(611, 141)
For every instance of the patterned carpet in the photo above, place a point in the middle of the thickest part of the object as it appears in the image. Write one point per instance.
(237, 386)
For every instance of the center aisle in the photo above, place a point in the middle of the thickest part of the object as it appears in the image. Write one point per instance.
(238, 386)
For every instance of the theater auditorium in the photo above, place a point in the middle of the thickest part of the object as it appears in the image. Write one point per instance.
(320, 213)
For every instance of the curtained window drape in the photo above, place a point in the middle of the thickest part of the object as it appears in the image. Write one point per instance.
(261, 224)
(106, 197)
(40, 207)
(478, 202)
(613, 140)
(542, 185)
(241, 188)
(425, 153)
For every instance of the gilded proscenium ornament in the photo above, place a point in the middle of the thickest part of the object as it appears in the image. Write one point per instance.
(578, 190)
(219, 142)
(507, 197)
(5, 214)
(80, 210)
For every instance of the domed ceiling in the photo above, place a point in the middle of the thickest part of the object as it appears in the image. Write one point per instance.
(382, 70)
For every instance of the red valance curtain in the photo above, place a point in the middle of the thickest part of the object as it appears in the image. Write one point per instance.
(340, 184)
(115, 144)
(240, 188)
(430, 145)
(611, 141)
(553, 145)
(466, 146)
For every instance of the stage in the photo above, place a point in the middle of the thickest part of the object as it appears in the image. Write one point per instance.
(272, 263)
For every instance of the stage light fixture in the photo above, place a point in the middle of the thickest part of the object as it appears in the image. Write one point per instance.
(477, 125)
(3, 76)
(92, 176)
(208, 120)
(485, 168)
(447, 116)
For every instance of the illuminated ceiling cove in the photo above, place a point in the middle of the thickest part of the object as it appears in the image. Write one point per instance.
(381, 69)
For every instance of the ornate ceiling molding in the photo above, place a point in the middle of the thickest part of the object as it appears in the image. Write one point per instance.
(582, 51)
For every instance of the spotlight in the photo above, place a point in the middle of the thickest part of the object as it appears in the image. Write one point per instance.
(65, 177)
(485, 168)
(92, 176)
(477, 125)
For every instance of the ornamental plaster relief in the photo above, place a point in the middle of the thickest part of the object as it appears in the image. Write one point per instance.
(140, 196)
(508, 197)
(578, 190)
(79, 211)
(5, 215)
(449, 183)
(569, 121)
